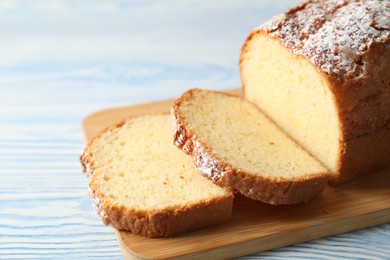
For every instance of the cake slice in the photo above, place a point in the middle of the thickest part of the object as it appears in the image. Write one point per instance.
(236, 146)
(140, 182)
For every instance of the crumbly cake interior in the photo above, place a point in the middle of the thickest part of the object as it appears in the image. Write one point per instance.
(137, 166)
(237, 132)
(290, 90)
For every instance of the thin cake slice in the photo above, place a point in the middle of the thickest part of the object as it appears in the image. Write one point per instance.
(235, 145)
(140, 182)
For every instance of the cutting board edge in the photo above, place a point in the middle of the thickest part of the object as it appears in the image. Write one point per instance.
(243, 248)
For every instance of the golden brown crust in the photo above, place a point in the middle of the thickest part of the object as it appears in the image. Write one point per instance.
(158, 223)
(364, 155)
(224, 174)
(162, 223)
(358, 77)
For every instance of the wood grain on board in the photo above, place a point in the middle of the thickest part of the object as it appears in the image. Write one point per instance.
(255, 226)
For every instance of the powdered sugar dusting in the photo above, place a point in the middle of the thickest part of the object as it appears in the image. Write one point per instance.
(334, 34)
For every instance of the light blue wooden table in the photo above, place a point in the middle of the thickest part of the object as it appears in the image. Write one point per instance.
(61, 60)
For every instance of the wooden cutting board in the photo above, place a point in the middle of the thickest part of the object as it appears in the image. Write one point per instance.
(255, 226)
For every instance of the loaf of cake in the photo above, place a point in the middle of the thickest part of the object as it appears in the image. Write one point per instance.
(236, 146)
(140, 182)
(321, 71)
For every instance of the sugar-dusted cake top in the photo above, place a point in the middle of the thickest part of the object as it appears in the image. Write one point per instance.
(334, 34)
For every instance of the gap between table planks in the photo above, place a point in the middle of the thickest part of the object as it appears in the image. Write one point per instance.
(254, 226)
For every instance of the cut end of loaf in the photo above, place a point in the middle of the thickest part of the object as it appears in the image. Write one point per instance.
(235, 145)
(294, 94)
(141, 183)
